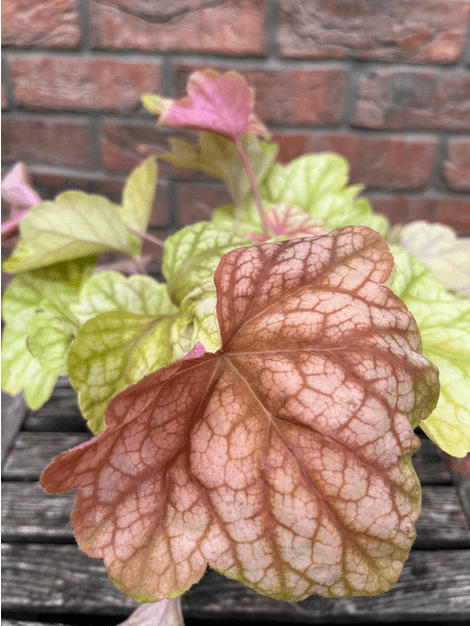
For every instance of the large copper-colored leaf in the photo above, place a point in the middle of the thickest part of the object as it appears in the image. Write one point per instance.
(283, 460)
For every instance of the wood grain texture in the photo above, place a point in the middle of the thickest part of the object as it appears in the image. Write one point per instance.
(58, 578)
(31, 452)
(9, 622)
(14, 410)
(31, 514)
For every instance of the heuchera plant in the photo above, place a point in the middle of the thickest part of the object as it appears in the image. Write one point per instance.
(255, 412)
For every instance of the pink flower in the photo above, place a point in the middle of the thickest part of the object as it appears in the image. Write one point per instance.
(222, 104)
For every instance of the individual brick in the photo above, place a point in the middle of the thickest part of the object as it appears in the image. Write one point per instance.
(456, 171)
(50, 185)
(41, 24)
(196, 202)
(124, 146)
(404, 208)
(288, 96)
(380, 30)
(389, 99)
(227, 27)
(82, 83)
(47, 140)
(377, 162)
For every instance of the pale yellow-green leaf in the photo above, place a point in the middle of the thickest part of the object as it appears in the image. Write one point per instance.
(49, 338)
(446, 255)
(74, 225)
(444, 323)
(39, 302)
(139, 194)
(20, 370)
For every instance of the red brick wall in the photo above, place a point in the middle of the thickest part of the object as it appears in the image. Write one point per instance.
(386, 83)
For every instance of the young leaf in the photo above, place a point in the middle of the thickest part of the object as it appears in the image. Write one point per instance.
(139, 194)
(446, 255)
(444, 323)
(191, 256)
(219, 157)
(222, 104)
(74, 225)
(50, 291)
(283, 460)
(287, 220)
(17, 189)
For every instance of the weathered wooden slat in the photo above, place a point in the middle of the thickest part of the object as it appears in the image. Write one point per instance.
(460, 470)
(59, 414)
(31, 514)
(9, 622)
(32, 451)
(14, 410)
(57, 578)
(53, 578)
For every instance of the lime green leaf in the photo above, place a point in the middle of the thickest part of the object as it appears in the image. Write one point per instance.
(342, 208)
(305, 178)
(115, 349)
(133, 328)
(111, 291)
(49, 338)
(317, 183)
(139, 194)
(219, 157)
(57, 283)
(74, 225)
(444, 323)
(50, 291)
(446, 255)
(20, 370)
(191, 256)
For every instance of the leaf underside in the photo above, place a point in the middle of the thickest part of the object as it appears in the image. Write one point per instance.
(282, 460)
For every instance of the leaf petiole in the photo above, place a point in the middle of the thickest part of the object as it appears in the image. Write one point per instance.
(155, 240)
(251, 178)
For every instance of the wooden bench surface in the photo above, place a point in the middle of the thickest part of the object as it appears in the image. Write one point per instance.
(46, 579)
